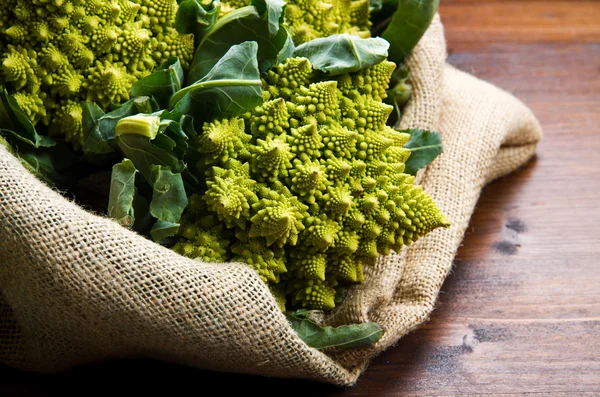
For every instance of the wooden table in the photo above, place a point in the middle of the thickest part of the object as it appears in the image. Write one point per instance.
(521, 310)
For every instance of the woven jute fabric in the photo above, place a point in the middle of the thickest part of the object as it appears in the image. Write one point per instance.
(77, 288)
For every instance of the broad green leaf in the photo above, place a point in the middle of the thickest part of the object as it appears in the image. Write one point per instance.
(352, 336)
(231, 87)
(239, 26)
(272, 10)
(161, 84)
(161, 230)
(408, 24)
(14, 121)
(424, 147)
(168, 195)
(195, 17)
(122, 192)
(343, 53)
(145, 154)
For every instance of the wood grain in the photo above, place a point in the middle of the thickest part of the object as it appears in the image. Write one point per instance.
(520, 312)
(475, 23)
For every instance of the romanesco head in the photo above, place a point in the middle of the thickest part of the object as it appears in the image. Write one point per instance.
(311, 182)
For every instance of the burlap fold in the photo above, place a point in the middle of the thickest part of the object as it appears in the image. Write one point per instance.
(77, 288)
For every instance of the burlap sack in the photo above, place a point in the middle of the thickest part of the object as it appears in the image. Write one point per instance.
(77, 288)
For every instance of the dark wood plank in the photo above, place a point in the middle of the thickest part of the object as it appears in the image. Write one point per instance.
(521, 310)
(475, 22)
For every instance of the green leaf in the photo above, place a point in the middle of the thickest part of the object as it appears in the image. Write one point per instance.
(122, 192)
(161, 230)
(352, 336)
(239, 26)
(14, 121)
(231, 87)
(161, 84)
(424, 147)
(196, 18)
(407, 26)
(144, 154)
(343, 53)
(168, 195)
(272, 10)
(101, 139)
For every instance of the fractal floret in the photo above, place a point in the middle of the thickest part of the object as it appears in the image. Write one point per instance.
(310, 19)
(56, 54)
(309, 185)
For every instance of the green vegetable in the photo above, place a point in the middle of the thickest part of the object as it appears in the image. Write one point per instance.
(56, 56)
(310, 184)
(279, 156)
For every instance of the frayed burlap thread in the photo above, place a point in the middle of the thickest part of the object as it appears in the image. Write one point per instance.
(77, 288)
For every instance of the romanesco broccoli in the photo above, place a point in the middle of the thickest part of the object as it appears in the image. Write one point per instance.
(56, 54)
(314, 170)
